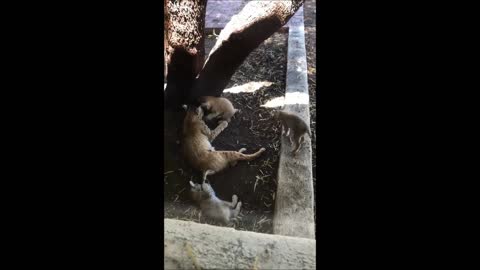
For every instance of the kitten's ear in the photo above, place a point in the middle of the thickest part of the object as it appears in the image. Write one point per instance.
(192, 184)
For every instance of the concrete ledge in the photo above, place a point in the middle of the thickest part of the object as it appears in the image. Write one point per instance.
(190, 245)
(294, 200)
(297, 19)
(219, 13)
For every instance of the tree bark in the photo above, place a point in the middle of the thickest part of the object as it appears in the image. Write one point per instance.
(185, 50)
(257, 21)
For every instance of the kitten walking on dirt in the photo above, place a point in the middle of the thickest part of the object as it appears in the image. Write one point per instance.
(197, 148)
(218, 107)
(211, 206)
(295, 124)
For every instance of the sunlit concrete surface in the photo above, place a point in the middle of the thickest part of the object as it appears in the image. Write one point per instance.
(295, 98)
(293, 215)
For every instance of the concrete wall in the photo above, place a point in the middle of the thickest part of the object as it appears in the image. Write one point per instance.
(294, 198)
(190, 245)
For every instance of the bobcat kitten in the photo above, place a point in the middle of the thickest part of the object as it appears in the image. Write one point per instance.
(292, 122)
(211, 206)
(219, 108)
(197, 148)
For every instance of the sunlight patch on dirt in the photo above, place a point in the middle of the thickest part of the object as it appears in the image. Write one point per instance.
(250, 87)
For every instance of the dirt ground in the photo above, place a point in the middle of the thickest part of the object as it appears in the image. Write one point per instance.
(253, 182)
(309, 9)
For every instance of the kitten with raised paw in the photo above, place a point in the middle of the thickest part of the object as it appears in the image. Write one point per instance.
(211, 206)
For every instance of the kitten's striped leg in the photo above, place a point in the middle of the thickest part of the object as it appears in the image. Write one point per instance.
(299, 142)
(211, 116)
(221, 126)
(233, 163)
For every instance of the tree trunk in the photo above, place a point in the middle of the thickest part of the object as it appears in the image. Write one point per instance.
(257, 21)
(185, 50)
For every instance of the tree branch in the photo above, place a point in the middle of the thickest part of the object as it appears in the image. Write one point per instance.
(257, 21)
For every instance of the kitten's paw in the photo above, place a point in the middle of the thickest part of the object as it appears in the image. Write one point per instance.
(234, 198)
(224, 123)
(206, 173)
(262, 149)
(239, 205)
(242, 150)
(296, 152)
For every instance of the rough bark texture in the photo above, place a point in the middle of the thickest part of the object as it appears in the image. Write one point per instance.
(246, 31)
(185, 52)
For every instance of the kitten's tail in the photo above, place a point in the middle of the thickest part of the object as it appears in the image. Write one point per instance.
(234, 155)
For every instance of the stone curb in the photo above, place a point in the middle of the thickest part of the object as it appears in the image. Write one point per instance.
(294, 214)
(190, 245)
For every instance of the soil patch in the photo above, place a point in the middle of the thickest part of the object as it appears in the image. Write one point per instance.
(311, 47)
(254, 182)
(310, 13)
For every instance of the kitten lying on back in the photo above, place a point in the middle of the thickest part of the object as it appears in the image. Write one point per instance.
(293, 122)
(197, 148)
(211, 206)
(218, 107)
